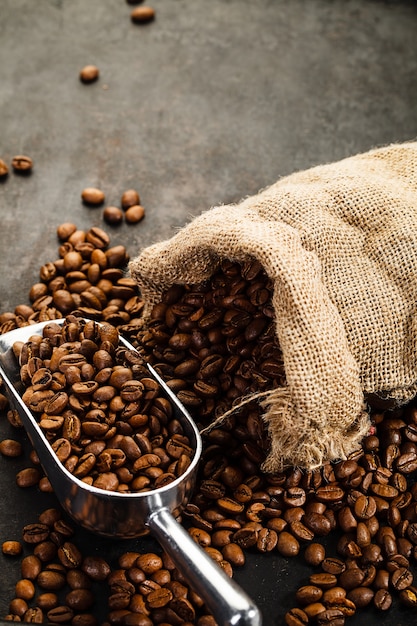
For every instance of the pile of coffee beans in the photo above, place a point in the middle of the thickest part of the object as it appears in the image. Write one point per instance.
(59, 584)
(102, 413)
(88, 278)
(214, 343)
(57, 581)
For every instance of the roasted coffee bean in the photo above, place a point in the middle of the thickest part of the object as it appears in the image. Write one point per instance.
(323, 580)
(314, 554)
(361, 596)
(51, 580)
(296, 617)
(25, 589)
(30, 567)
(332, 617)
(80, 599)
(308, 594)
(287, 544)
(96, 568)
(267, 540)
(12, 548)
(333, 566)
(60, 615)
(382, 600)
(408, 597)
(77, 579)
(92, 196)
(134, 214)
(10, 448)
(233, 553)
(401, 578)
(46, 601)
(129, 198)
(33, 615)
(113, 215)
(35, 533)
(22, 164)
(89, 74)
(69, 555)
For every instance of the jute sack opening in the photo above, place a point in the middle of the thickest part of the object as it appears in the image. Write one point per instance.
(339, 242)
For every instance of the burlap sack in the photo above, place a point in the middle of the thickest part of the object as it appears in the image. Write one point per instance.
(339, 242)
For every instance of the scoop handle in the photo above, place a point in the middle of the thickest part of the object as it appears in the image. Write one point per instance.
(229, 604)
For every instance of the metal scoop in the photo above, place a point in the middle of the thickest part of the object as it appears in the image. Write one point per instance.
(128, 515)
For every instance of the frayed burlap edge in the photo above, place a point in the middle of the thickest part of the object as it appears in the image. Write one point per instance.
(293, 443)
(297, 444)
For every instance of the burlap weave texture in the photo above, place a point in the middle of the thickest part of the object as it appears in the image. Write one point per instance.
(339, 242)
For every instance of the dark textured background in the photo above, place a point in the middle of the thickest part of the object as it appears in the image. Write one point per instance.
(208, 104)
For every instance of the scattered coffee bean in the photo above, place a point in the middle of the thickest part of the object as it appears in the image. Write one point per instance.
(89, 74)
(129, 198)
(113, 215)
(12, 548)
(22, 164)
(142, 15)
(10, 448)
(92, 196)
(134, 214)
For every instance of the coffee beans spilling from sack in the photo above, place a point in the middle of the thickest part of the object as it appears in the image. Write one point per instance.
(100, 410)
(369, 501)
(215, 342)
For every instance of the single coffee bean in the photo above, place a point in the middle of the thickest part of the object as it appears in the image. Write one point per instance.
(408, 597)
(361, 596)
(60, 615)
(142, 15)
(12, 548)
(10, 448)
(401, 578)
(30, 567)
(69, 555)
(308, 594)
(134, 214)
(80, 599)
(33, 615)
(22, 164)
(333, 566)
(382, 600)
(113, 215)
(35, 533)
(89, 74)
(323, 580)
(25, 589)
(314, 554)
(331, 617)
(287, 544)
(92, 196)
(233, 553)
(129, 198)
(296, 617)
(96, 568)
(50, 580)
(46, 601)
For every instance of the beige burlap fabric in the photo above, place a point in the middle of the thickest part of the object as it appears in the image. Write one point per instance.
(339, 242)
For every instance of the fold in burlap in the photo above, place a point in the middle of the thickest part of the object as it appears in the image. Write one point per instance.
(339, 242)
